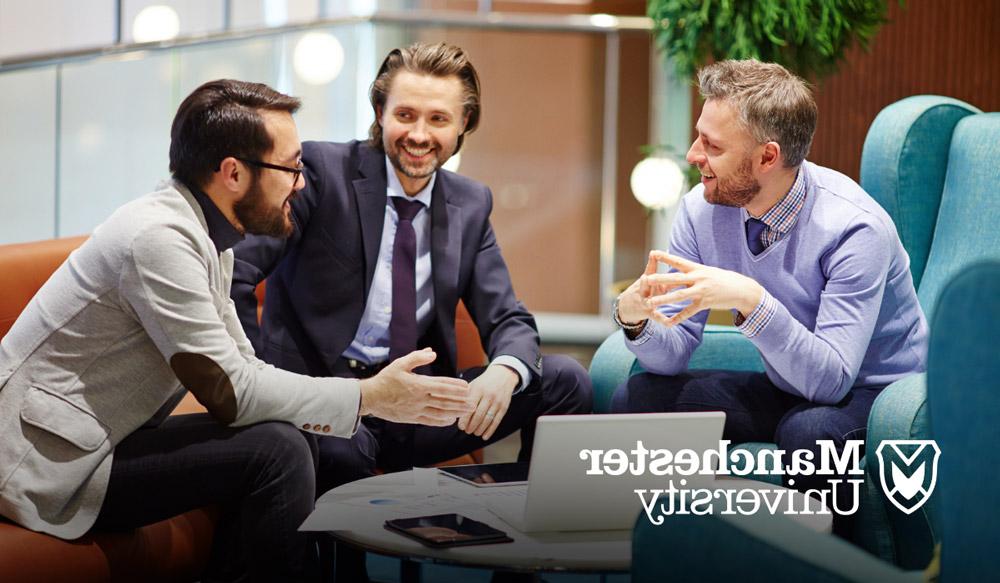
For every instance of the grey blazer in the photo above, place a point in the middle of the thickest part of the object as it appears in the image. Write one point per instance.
(137, 313)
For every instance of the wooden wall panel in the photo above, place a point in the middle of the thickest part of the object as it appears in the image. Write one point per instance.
(634, 106)
(619, 7)
(946, 47)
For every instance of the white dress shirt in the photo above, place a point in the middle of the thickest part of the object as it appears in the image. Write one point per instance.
(371, 343)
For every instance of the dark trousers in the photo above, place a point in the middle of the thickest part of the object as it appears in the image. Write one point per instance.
(563, 388)
(757, 410)
(261, 477)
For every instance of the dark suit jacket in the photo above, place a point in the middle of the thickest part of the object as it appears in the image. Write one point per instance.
(318, 280)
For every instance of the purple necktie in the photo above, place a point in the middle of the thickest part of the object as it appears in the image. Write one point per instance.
(403, 325)
(755, 228)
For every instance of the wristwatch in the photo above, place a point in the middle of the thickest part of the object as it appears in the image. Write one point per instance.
(632, 329)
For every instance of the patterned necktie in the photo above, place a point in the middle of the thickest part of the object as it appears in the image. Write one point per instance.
(755, 228)
(403, 325)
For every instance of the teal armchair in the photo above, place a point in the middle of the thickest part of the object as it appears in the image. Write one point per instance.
(962, 405)
(932, 162)
(967, 231)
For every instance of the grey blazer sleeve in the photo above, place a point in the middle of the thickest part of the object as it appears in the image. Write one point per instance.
(179, 292)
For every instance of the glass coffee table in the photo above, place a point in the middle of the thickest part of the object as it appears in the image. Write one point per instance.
(355, 514)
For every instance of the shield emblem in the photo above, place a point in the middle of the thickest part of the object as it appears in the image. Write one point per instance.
(908, 471)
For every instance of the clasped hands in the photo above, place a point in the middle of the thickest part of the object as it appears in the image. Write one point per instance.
(705, 287)
(398, 394)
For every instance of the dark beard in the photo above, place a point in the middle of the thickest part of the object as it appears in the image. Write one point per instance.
(258, 217)
(737, 191)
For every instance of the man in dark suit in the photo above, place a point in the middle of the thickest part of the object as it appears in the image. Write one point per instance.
(385, 246)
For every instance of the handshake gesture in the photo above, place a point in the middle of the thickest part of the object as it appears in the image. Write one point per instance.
(703, 286)
(398, 394)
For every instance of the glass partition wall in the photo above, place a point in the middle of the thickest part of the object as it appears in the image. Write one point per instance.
(83, 135)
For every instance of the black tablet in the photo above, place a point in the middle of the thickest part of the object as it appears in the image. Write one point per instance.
(506, 474)
(447, 530)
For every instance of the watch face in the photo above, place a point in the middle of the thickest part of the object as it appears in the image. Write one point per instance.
(614, 313)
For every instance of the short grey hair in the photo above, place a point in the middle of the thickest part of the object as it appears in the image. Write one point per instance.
(773, 104)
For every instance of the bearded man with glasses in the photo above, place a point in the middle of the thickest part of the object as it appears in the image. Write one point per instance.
(139, 315)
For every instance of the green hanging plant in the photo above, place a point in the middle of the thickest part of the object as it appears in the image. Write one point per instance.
(809, 37)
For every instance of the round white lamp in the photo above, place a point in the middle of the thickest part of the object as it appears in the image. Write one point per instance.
(155, 23)
(657, 182)
(318, 58)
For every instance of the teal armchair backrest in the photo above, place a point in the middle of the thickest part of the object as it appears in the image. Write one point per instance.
(963, 391)
(903, 166)
(968, 225)
(967, 231)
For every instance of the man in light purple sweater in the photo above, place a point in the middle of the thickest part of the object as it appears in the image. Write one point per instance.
(810, 264)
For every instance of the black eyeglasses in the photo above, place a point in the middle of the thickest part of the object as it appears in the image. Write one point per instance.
(295, 172)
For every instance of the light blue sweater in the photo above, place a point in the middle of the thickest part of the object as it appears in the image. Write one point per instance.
(847, 313)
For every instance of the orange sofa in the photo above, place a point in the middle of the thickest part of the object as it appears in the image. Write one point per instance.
(172, 550)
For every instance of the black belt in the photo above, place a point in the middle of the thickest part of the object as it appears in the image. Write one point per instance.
(364, 371)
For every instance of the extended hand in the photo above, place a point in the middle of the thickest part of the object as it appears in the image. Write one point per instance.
(397, 394)
(706, 287)
(491, 391)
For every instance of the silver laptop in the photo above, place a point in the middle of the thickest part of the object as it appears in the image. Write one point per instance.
(560, 496)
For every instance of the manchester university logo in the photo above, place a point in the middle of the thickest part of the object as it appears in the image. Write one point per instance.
(908, 471)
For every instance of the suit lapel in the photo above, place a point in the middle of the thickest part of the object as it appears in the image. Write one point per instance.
(370, 194)
(446, 246)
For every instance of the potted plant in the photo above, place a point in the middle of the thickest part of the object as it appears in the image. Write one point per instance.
(809, 37)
